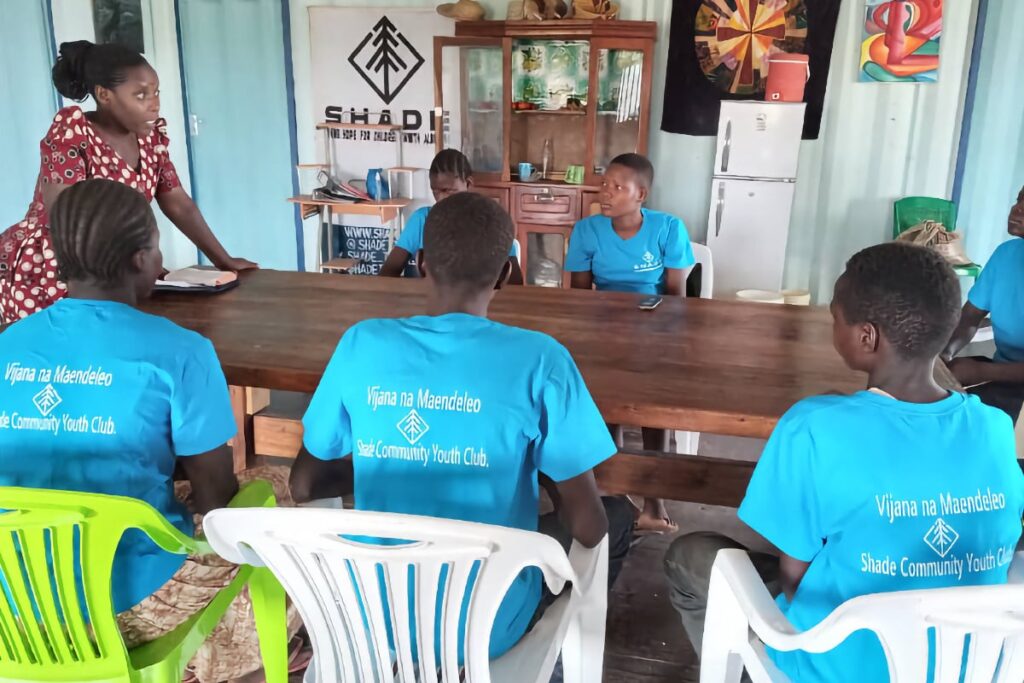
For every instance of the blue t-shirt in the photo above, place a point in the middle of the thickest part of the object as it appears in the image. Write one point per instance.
(411, 238)
(1000, 291)
(453, 416)
(881, 495)
(634, 265)
(100, 397)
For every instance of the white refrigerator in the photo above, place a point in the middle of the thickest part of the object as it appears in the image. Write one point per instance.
(752, 193)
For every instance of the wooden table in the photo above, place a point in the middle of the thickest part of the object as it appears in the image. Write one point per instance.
(692, 364)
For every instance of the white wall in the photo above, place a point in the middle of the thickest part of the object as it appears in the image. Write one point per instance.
(878, 142)
(310, 142)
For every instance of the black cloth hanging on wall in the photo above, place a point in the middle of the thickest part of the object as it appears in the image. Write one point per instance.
(698, 77)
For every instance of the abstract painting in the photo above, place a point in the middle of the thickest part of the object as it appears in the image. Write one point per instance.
(901, 41)
(734, 40)
(719, 50)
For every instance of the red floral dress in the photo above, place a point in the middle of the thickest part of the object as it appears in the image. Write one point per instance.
(71, 151)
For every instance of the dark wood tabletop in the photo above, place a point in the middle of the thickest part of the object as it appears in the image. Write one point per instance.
(711, 366)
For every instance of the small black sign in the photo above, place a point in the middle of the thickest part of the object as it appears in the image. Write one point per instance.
(368, 244)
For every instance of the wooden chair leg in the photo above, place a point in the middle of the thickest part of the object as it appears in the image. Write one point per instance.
(246, 402)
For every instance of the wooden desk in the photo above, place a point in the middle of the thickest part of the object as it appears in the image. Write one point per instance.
(386, 211)
(692, 364)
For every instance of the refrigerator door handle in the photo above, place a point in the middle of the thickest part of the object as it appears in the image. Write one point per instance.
(727, 146)
(719, 209)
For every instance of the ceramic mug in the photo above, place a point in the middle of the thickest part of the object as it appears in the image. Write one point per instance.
(574, 175)
(527, 173)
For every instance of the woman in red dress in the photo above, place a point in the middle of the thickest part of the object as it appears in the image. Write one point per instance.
(123, 140)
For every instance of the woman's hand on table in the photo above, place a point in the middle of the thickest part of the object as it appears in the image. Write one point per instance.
(236, 264)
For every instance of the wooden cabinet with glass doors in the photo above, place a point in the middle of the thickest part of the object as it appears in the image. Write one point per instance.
(555, 94)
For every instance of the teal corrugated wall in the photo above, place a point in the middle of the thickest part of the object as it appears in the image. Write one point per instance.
(994, 170)
(27, 102)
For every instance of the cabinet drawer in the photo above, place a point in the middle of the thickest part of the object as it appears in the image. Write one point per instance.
(498, 194)
(546, 205)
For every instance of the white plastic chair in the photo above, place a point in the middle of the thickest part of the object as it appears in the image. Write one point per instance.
(702, 256)
(687, 442)
(331, 580)
(742, 618)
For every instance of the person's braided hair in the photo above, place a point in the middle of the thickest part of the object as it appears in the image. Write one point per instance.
(452, 162)
(83, 66)
(96, 226)
(909, 292)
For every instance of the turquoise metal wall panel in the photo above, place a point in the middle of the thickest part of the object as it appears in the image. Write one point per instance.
(994, 168)
(27, 102)
(233, 55)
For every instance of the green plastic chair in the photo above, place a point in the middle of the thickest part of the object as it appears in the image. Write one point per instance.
(46, 534)
(910, 211)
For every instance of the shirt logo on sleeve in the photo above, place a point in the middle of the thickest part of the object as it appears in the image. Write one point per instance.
(941, 537)
(413, 427)
(650, 262)
(46, 400)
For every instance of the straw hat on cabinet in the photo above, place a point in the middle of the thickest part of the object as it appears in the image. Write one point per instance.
(463, 10)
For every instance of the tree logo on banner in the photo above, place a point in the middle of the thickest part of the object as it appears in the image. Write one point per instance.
(386, 60)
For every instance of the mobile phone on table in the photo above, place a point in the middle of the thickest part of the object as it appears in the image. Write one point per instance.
(650, 303)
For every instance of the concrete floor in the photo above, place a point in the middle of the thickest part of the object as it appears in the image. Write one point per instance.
(645, 640)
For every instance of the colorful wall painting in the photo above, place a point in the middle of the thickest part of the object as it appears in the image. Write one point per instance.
(719, 50)
(735, 39)
(901, 41)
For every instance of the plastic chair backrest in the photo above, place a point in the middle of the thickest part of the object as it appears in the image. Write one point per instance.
(909, 211)
(352, 593)
(47, 538)
(984, 622)
(702, 254)
(517, 250)
(992, 616)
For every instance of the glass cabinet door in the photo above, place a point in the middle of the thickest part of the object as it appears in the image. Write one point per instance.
(472, 102)
(620, 76)
(550, 90)
(543, 250)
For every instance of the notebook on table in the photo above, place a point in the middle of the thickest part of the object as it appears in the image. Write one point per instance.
(198, 280)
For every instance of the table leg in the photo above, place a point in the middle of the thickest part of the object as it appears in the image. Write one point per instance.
(321, 228)
(245, 402)
(327, 248)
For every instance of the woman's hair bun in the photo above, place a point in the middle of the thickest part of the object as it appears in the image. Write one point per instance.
(69, 71)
